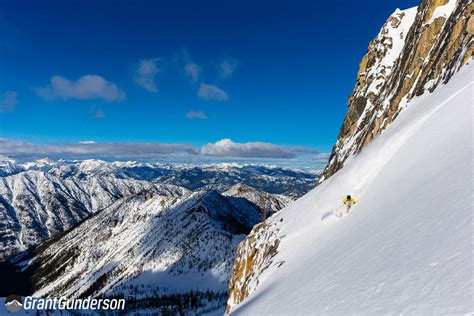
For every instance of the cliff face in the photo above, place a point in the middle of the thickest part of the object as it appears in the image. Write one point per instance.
(254, 255)
(416, 50)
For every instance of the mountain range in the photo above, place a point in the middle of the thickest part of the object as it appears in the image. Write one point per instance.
(93, 228)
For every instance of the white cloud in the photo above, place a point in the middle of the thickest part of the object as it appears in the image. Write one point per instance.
(91, 148)
(187, 65)
(228, 148)
(192, 70)
(224, 148)
(196, 115)
(227, 67)
(146, 73)
(8, 101)
(87, 87)
(212, 92)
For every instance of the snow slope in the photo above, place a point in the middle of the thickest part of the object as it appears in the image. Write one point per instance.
(406, 247)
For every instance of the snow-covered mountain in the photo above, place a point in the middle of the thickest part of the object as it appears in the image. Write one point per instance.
(152, 244)
(268, 203)
(104, 229)
(42, 198)
(8, 167)
(415, 51)
(406, 246)
(276, 180)
(35, 205)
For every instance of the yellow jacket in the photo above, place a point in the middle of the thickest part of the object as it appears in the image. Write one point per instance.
(346, 200)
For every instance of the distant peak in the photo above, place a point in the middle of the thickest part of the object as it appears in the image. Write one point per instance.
(241, 188)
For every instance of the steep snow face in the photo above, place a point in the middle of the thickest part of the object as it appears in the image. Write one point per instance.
(416, 50)
(405, 247)
(35, 205)
(147, 245)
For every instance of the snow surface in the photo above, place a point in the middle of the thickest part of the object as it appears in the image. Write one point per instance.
(407, 245)
(397, 34)
(443, 11)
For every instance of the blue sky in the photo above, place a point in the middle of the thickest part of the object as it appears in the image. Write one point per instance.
(182, 72)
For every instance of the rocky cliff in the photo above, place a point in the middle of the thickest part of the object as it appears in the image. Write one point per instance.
(415, 51)
(254, 255)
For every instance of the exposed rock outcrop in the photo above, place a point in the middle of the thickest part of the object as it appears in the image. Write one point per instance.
(416, 50)
(254, 255)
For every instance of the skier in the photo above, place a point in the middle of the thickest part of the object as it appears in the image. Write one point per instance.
(348, 201)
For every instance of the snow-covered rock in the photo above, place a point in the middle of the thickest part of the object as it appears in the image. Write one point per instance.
(416, 50)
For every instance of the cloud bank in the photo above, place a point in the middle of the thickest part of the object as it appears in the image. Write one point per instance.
(91, 148)
(88, 87)
(228, 148)
(225, 148)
